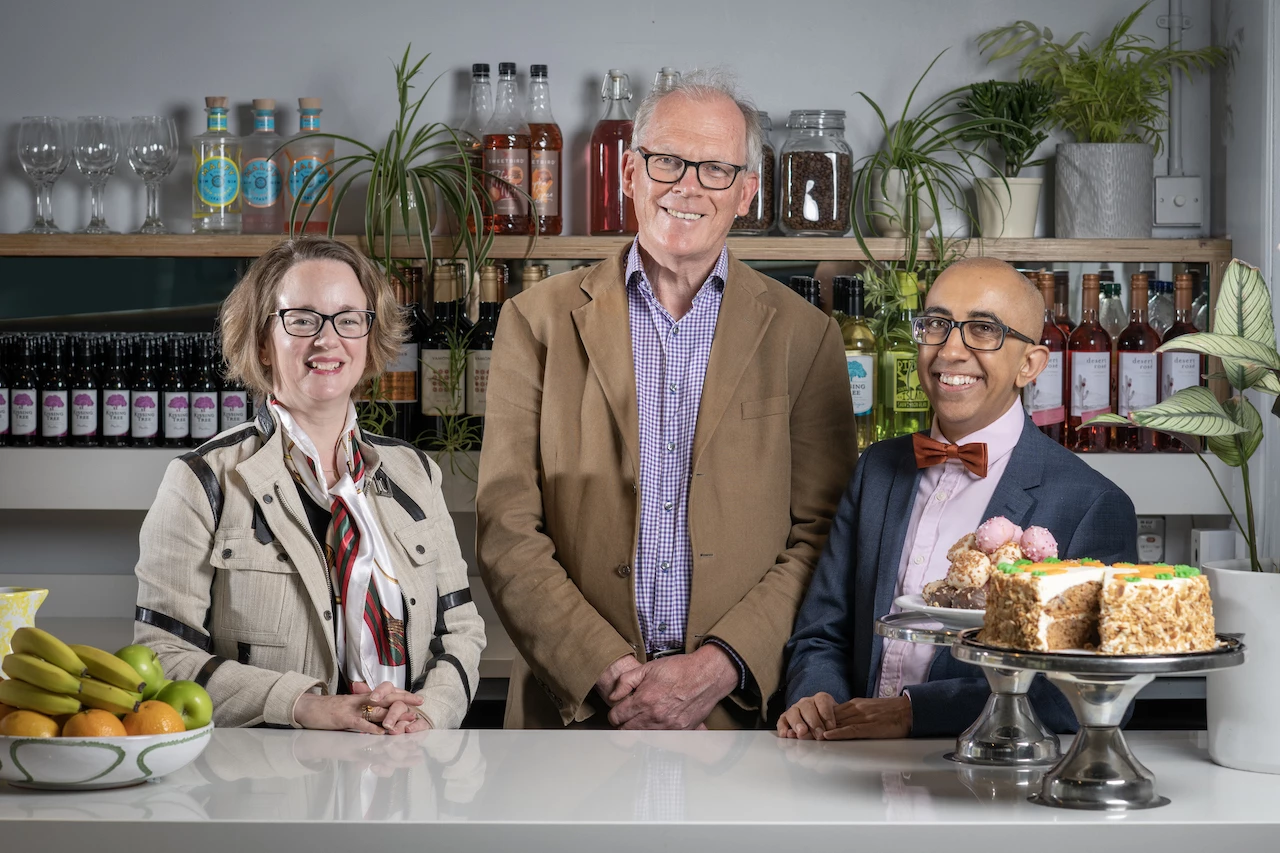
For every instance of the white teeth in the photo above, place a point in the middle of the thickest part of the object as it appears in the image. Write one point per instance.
(323, 365)
(955, 379)
(687, 216)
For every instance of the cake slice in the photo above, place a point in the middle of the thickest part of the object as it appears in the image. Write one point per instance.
(1155, 609)
(1047, 606)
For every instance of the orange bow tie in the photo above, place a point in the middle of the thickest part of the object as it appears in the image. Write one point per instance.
(930, 452)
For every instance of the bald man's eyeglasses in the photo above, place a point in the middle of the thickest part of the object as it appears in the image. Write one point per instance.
(979, 335)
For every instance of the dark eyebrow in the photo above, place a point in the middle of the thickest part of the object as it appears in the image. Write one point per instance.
(986, 315)
(937, 309)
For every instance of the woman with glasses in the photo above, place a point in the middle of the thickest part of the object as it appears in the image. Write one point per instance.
(304, 571)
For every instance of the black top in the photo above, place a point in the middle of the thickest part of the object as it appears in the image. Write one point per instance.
(480, 68)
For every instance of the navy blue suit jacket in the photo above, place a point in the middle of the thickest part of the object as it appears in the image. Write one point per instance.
(834, 647)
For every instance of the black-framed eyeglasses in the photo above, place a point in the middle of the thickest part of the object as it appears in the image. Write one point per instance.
(305, 323)
(980, 335)
(669, 169)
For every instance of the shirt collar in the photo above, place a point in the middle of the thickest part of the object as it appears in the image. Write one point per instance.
(635, 266)
(1000, 436)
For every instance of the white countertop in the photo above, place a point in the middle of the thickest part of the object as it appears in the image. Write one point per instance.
(486, 790)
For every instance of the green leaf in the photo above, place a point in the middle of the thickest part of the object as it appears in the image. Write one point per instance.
(1245, 375)
(1191, 411)
(1248, 352)
(1235, 450)
(1243, 308)
(1108, 420)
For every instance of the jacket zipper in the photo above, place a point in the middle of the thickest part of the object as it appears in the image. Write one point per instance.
(324, 564)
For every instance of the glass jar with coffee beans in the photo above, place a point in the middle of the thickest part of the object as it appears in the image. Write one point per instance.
(759, 218)
(817, 175)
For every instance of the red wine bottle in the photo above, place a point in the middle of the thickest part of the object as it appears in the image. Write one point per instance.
(1137, 376)
(1089, 369)
(1044, 396)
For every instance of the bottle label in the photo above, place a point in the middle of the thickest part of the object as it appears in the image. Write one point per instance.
(309, 122)
(234, 408)
(4, 411)
(318, 190)
(23, 411)
(262, 182)
(264, 121)
(53, 413)
(1136, 382)
(115, 414)
(512, 166)
(1178, 370)
(862, 372)
(1090, 384)
(217, 121)
(441, 393)
(478, 380)
(400, 381)
(218, 181)
(204, 414)
(177, 414)
(84, 411)
(144, 422)
(908, 396)
(1042, 397)
(544, 182)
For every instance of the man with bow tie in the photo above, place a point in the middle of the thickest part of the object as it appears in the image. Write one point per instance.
(911, 498)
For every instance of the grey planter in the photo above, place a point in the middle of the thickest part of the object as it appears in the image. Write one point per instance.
(1103, 189)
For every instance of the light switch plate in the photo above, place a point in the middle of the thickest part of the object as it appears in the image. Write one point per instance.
(1178, 201)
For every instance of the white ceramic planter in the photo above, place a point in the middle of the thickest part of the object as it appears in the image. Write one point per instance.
(1244, 702)
(1007, 211)
(887, 206)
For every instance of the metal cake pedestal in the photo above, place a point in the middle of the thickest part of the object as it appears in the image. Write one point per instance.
(1007, 733)
(1099, 772)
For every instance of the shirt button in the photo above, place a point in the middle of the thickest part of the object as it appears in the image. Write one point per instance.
(664, 565)
(662, 626)
(918, 560)
(672, 386)
(667, 506)
(941, 496)
(886, 691)
(671, 447)
(675, 329)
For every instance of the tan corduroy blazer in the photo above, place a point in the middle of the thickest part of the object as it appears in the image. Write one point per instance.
(558, 505)
(233, 591)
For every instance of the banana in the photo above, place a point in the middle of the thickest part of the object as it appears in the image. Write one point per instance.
(105, 666)
(20, 694)
(41, 673)
(42, 644)
(99, 694)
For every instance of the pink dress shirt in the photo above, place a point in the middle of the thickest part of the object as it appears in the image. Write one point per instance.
(949, 503)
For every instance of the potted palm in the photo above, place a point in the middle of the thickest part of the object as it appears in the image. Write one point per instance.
(1110, 98)
(1008, 204)
(1246, 592)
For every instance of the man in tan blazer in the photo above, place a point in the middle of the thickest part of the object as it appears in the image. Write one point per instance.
(666, 438)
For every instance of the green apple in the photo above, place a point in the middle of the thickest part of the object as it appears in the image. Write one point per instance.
(190, 700)
(147, 663)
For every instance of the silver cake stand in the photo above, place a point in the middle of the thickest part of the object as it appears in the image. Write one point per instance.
(1007, 733)
(1099, 771)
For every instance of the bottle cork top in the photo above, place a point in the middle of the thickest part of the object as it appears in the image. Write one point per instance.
(309, 103)
(489, 278)
(1090, 279)
(215, 102)
(445, 282)
(1045, 277)
(1184, 279)
(1138, 278)
(264, 103)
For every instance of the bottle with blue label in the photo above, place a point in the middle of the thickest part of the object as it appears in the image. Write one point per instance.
(262, 178)
(216, 191)
(859, 355)
(307, 154)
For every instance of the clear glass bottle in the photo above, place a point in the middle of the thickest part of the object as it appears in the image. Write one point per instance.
(262, 173)
(904, 408)
(1200, 301)
(1111, 313)
(506, 156)
(215, 174)
(666, 78)
(817, 175)
(546, 144)
(759, 220)
(309, 153)
(1160, 308)
(610, 210)
(859, 355)
(471, 134)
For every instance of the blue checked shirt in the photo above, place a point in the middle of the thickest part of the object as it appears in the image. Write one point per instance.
(670, 362)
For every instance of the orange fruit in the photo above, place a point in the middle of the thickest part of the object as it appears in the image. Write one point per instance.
(5, 710)
(27, 724)
(93, 723)
(153, 717)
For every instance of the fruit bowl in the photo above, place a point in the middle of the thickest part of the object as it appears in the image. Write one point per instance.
(92, 763)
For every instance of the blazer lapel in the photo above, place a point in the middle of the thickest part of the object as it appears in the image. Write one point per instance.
(604, 326)
(897, 517)
(1024, 472)
(740, 327)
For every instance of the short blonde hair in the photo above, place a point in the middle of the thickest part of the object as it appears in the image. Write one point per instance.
(246, 315)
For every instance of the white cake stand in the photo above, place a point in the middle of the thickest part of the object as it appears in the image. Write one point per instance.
(1007, 733)
(1099, 772)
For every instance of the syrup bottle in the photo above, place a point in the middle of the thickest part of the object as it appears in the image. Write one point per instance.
(611, 212)
(506, 156)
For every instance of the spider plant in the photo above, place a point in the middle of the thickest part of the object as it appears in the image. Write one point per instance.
(1026, 106)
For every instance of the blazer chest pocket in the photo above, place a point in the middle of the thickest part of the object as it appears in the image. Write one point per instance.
(420, 542)
(254, 591)
(765, 408)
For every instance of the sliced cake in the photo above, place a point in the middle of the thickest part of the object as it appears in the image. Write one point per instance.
(1046, 606)
(1155, 609)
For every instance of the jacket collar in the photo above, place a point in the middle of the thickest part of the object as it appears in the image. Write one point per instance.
(266, 465)
(1023, 473)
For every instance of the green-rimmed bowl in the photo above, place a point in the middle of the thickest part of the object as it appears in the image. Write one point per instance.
(91, 763)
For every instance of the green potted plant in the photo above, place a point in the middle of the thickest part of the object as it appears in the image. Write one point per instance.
(1246, 592)
(1110, 97)
(1008, 203)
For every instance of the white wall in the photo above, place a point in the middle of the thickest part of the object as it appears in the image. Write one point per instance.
(72, 57)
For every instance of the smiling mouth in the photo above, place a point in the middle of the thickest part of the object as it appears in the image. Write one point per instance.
(326, 367)
(687, 217)
(957, 380)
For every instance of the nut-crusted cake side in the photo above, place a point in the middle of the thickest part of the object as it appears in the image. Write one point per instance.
(1149, 610)
(1042, 607)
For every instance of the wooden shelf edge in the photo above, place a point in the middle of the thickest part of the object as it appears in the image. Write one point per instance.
(1192, 250)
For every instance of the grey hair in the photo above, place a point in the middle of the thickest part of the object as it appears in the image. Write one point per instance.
(703, 85)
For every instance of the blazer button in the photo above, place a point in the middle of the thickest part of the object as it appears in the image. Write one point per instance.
(413, 601)
(266, 499)
(226, 553)
(420, 549)
(624, 571)
(284, 558)
(327, 616)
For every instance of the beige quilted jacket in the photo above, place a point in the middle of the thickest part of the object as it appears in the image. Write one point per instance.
(233, 590)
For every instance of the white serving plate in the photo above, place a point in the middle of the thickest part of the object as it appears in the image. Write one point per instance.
(92, 763)
(949, 617)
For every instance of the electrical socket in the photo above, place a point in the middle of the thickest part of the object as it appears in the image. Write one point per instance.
(1178, 201)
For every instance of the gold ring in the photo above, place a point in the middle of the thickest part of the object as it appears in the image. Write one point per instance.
(366, 711)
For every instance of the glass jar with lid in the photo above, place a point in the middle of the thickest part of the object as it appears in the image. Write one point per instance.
(817, 175)
(759, 219)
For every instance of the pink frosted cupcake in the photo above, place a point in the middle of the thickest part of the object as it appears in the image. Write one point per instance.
(1038, 544)
(994, 532)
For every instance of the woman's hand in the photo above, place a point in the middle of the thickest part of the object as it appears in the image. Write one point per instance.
(392, 711)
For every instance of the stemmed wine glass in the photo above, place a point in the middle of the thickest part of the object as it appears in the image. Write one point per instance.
(43, 152)
(97, 150)
(153, 152)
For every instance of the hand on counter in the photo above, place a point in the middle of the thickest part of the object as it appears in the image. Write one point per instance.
(677, 692)
(393, 711)
(607, 683)
(818, 717)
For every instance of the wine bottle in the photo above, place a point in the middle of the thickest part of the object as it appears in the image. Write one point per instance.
(1089, 367)
(5, 352)
(400, 379)
(545, 146)
(176, 399)
(506, 157)
(480, 348)
(1137, 376)
(144, 394)
(84, 396)
(54, 399)
(859, 355)
(904, 406)
(441, 395)
(1179, 370)
(1062, 300)
(203, 388)
(115, 388)
(24, 412)
(1043, 396)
